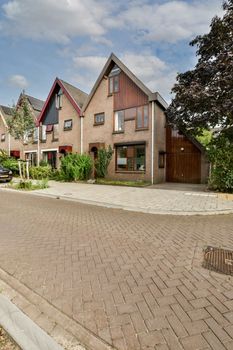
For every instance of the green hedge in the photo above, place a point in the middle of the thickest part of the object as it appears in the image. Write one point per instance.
(40, 172)
(76, 167)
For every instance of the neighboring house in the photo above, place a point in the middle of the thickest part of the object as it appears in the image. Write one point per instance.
(122, 112)
(60, 122)
(7, 142)
(30, 145)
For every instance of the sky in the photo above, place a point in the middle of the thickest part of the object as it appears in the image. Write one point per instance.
(72, 39)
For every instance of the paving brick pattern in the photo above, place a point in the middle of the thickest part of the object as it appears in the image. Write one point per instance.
(135, 280)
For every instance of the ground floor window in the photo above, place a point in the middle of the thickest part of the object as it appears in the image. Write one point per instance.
(131, 158)
(32, 158)
(50, 157)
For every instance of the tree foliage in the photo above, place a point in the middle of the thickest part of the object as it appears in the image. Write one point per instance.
(204, 95)
(21, 124)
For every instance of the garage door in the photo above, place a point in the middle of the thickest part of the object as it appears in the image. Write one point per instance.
(183, 158)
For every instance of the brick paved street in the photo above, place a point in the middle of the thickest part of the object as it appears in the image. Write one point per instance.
(133, 279)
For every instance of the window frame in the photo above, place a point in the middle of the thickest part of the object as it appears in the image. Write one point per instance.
(114, 126)
(133, 159)
(143, 127)
(99, 114)
(55, 129)
(43, 133)
(113, 78)
(3, 137)
(70, 127)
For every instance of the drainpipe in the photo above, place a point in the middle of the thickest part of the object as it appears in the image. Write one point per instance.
(38, 145)
(152, 140)
(81, 141)
(9, 144)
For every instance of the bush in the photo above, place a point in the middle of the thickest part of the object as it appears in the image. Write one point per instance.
(103, 160)
(221, 158)
(76, 167)
(40, 172)
(29, 185)
(43, 162)
(9, 162)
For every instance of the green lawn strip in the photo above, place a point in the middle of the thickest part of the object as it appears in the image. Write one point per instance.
(138, 183)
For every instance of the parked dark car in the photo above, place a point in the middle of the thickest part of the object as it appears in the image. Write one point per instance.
(5, 174)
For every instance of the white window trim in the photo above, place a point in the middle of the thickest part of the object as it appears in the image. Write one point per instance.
(30, 151)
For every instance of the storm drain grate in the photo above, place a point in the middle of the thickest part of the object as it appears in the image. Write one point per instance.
(219, 260)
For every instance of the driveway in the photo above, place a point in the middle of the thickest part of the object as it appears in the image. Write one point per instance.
(134, 280)
(158, 199)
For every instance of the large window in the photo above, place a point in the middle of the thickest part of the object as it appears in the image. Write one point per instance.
(59, 99)
(119, 121)
(113, 84)
(142, 121)
(131, 158)
(35, 135)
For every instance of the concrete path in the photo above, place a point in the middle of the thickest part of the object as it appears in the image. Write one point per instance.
(192, 200)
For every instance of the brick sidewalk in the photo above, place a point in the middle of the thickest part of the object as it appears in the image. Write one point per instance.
(134, 280)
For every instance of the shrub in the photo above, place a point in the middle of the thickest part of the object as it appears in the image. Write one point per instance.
(76, 167)
(103, 160)
(221, 158)
(43, 162)
(29, 185)
(40, 172)
(9, 162)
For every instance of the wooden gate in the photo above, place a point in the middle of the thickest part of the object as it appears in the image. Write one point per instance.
(183, 158)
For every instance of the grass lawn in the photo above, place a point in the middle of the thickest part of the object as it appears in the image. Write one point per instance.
(138, 183)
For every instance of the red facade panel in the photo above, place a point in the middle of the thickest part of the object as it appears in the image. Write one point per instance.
(129, 95)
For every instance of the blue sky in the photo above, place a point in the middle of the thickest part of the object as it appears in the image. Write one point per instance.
(72, 39)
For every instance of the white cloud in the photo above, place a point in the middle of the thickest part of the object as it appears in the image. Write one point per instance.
(153, 72)
(54, 20)
(60, 21)
(18, 81)
(170, 21)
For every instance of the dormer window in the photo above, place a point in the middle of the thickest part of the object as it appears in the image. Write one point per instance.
(113, 80)
(59, 99)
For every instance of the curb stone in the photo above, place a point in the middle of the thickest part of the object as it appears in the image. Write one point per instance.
(23, 330)
(66, 331)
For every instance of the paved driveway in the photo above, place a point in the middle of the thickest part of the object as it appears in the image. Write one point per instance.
(159, 199)
(135, 280)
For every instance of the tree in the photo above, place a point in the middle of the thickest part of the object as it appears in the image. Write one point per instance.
(204, 96)
(22, 123)
(20, 126)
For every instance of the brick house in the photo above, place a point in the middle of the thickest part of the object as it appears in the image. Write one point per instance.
(59, 122)
(7, 142)
(122, 112)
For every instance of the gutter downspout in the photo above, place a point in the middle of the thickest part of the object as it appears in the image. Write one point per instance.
(38, 146)
(152, 140)
(81, 136)
(9, 144)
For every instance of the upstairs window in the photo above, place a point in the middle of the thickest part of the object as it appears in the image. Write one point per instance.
(68, 124)
(99, 119)
(113, 80)
(55, 132)
(35, 135)
(119, 121)
(59, 99)
(142, 121)
(3, 137)
(43, 133)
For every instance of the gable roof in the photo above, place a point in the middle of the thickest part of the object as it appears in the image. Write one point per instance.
(36, 104)
(112, 60)
(5, 113)
(76, 97)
